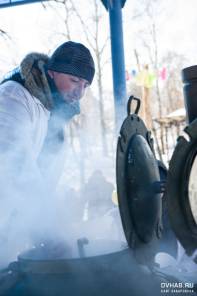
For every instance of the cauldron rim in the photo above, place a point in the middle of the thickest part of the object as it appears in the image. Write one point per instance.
(73, 265)
(123, 246)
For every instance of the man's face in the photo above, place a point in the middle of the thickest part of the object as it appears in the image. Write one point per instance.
(71, 88)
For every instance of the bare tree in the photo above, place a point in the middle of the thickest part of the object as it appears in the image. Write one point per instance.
(173, 94)
(66, 19)
(148, 35)
(91, 30)
(168, 92)
(93, 39)
(6, 38)
(149, 39)
(88, 29)
(5, 35)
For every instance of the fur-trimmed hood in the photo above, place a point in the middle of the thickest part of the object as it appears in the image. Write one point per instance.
(33, 74)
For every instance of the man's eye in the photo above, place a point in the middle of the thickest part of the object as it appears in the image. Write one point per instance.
(75, 80)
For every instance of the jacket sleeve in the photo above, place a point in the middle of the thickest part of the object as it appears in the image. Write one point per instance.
(15, 126)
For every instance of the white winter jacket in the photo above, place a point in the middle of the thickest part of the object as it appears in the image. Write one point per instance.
(27, 190)
(23, 120)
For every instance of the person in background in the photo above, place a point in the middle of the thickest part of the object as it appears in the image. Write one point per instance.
(97, 195)
(101, 214)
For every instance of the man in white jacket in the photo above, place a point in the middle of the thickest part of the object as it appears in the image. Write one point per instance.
(36, 101)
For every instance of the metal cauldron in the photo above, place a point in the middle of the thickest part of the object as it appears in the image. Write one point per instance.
(114, 272)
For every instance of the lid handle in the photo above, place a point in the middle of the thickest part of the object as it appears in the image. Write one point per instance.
(129, 104)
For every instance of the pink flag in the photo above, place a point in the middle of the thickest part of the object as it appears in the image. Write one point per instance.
(162, 73)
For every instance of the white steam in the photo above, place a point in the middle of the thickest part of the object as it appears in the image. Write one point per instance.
(34, 213)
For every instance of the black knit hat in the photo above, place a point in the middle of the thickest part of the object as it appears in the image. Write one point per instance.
(73, 58)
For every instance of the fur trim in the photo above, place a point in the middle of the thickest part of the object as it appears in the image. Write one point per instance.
(33, 72)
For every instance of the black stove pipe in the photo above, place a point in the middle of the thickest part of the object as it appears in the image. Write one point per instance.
(189, 78)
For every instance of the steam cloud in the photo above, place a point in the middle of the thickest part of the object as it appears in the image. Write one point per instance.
(32, 212)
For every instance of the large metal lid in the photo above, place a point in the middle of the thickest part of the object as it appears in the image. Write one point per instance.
(182, 189)
(138, 186)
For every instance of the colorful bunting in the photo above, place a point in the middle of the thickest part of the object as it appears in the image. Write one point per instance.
(162, 73)
(145, 77)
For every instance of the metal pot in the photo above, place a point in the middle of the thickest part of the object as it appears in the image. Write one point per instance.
(115, 272)
(95, 255)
